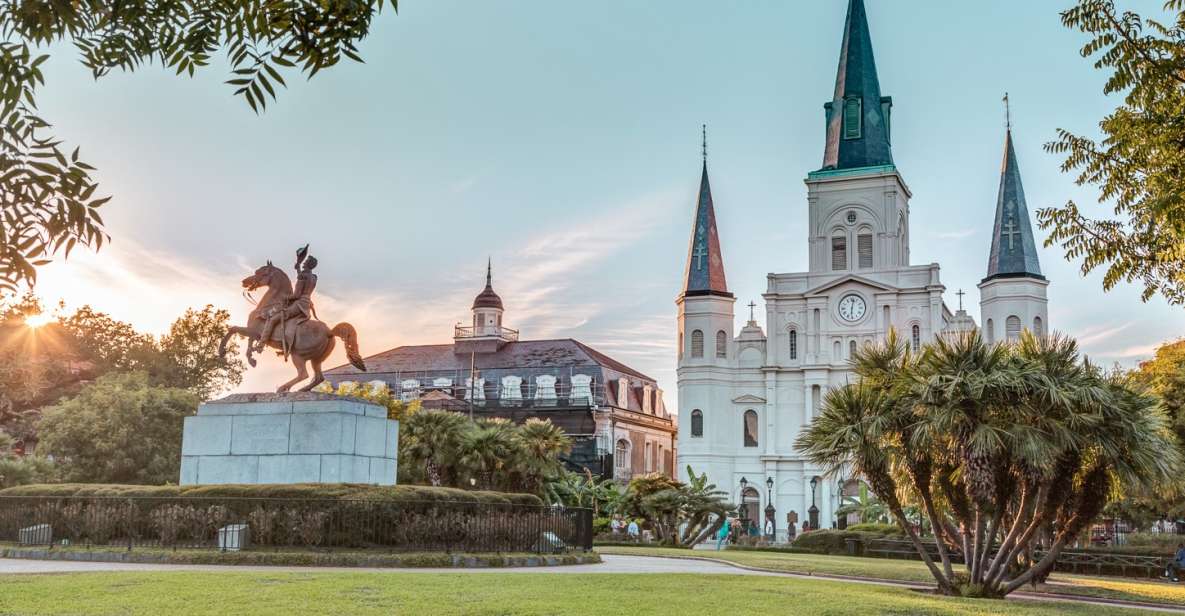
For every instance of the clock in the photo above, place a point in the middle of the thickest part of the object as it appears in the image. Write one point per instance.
(852, 308)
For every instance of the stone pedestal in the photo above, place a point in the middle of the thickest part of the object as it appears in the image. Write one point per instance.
(289, 438)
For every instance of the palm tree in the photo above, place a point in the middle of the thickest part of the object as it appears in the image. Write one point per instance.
(994, 443)
(433, 438)
(486, 450)
(866, 505)
(542, 444)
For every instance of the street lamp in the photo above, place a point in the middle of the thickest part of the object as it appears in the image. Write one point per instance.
(814, 511)
(770, 512)
(742, 508)
(840, 522)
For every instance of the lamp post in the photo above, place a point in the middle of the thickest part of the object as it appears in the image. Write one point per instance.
(840, 522)
(814, 511)
(742, 508)
(770, 512)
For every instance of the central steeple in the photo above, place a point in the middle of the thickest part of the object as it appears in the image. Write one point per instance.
(857, 116)
(1014, 249)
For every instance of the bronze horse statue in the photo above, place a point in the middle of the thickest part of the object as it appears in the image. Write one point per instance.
(306, 340)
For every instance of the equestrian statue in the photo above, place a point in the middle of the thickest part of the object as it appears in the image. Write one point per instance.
(285, 320)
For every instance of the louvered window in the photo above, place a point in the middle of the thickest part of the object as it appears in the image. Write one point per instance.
(750, 428)
(697, 423)
(851, 349)
(991, 331)
(1012, 328)
(721, 344)
(864, 249)
(851, 118)
(793, 344)
(1038, 327)
(839, 253)
(915, 335)
(697, 343)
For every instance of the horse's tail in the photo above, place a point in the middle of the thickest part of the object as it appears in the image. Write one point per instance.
(346, 332)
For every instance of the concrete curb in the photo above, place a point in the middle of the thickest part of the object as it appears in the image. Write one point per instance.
(1033, 596)
(312, 560)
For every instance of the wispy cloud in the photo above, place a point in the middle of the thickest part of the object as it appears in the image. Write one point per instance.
(1095, 334)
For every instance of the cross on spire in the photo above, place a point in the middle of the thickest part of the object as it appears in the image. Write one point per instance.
(1011, 231)
(699, 255)
(1007, 112)
(960, 294)
(752, 305)
(704, 128)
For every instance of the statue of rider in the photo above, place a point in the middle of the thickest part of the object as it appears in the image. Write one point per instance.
(299, 305)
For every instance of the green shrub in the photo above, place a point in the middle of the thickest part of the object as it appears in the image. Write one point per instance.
(600, 526)
(1165, 541)
(334, 491)
(830, 541)
(880, 529)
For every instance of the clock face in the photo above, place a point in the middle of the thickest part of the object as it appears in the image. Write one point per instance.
(851, 308)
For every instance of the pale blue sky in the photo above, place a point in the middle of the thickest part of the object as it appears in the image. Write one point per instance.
(562, 138)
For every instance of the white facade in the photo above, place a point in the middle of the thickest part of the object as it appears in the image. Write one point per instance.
(1017, 301)
(815, 320)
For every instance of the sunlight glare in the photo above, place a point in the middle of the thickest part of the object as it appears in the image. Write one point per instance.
(37, 320)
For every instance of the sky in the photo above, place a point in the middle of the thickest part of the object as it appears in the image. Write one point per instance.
(562, 140)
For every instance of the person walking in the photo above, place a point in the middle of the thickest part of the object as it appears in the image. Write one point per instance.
(1174, 567)
(632, 531)
(722, 535)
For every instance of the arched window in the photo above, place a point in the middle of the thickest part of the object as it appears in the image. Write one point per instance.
(697, 343)
(750, 428)
(1012, 328)
(839, 252)
(793, 344)
(851, 349)
(621, 455)
(1038, 326)
(835, 351)
(990, 331)
(697, 423)
(864, 250)
(915, 337)
(721, 344)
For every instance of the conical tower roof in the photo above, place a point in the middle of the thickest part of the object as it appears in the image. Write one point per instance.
(705, 263)
(487, 298)
(857, 116)
(1014, 249)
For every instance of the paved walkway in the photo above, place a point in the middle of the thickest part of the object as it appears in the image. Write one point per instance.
(612, 564)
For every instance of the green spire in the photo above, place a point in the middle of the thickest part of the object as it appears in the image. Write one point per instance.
(1014, 249)
(858, 116)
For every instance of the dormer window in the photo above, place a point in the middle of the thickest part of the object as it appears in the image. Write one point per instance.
(623, 393)
(851, 117)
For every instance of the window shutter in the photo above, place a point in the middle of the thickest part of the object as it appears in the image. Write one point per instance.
(1012, 328)
(793, 344)
(697, 343)
(697, 423)
(839, 253)
(851, 118)
(721, 344)
(864, 248)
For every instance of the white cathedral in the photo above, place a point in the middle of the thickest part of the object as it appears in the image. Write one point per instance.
(743, 398)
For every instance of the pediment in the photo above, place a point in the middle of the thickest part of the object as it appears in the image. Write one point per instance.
(823, 288)
(749, 399)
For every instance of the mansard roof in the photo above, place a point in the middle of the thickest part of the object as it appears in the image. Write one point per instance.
(526, 354)
(1014, 248)
(856, 80)
(705, 263)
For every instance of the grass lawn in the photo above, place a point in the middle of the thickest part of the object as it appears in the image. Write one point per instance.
(915, 571)
(252, 592)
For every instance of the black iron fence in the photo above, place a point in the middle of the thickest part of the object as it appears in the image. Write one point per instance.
(194, 522)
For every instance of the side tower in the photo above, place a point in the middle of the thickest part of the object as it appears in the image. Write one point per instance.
(1012, 295)
(705, 342)
(858, 202)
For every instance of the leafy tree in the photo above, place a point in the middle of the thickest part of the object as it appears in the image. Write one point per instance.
(15, 471)
(603, 496)
(1138, 163)
(48, 201)
(187, 357)
(996, 442)
(120, 429)
(377, 392)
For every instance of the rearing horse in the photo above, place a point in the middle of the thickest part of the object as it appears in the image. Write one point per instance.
(307, 340)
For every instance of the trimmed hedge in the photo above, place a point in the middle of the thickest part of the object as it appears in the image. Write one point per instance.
(297, 490)
(831, 541)
(880, 529)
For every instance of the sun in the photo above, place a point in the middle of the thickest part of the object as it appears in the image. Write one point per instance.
(37, 320)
